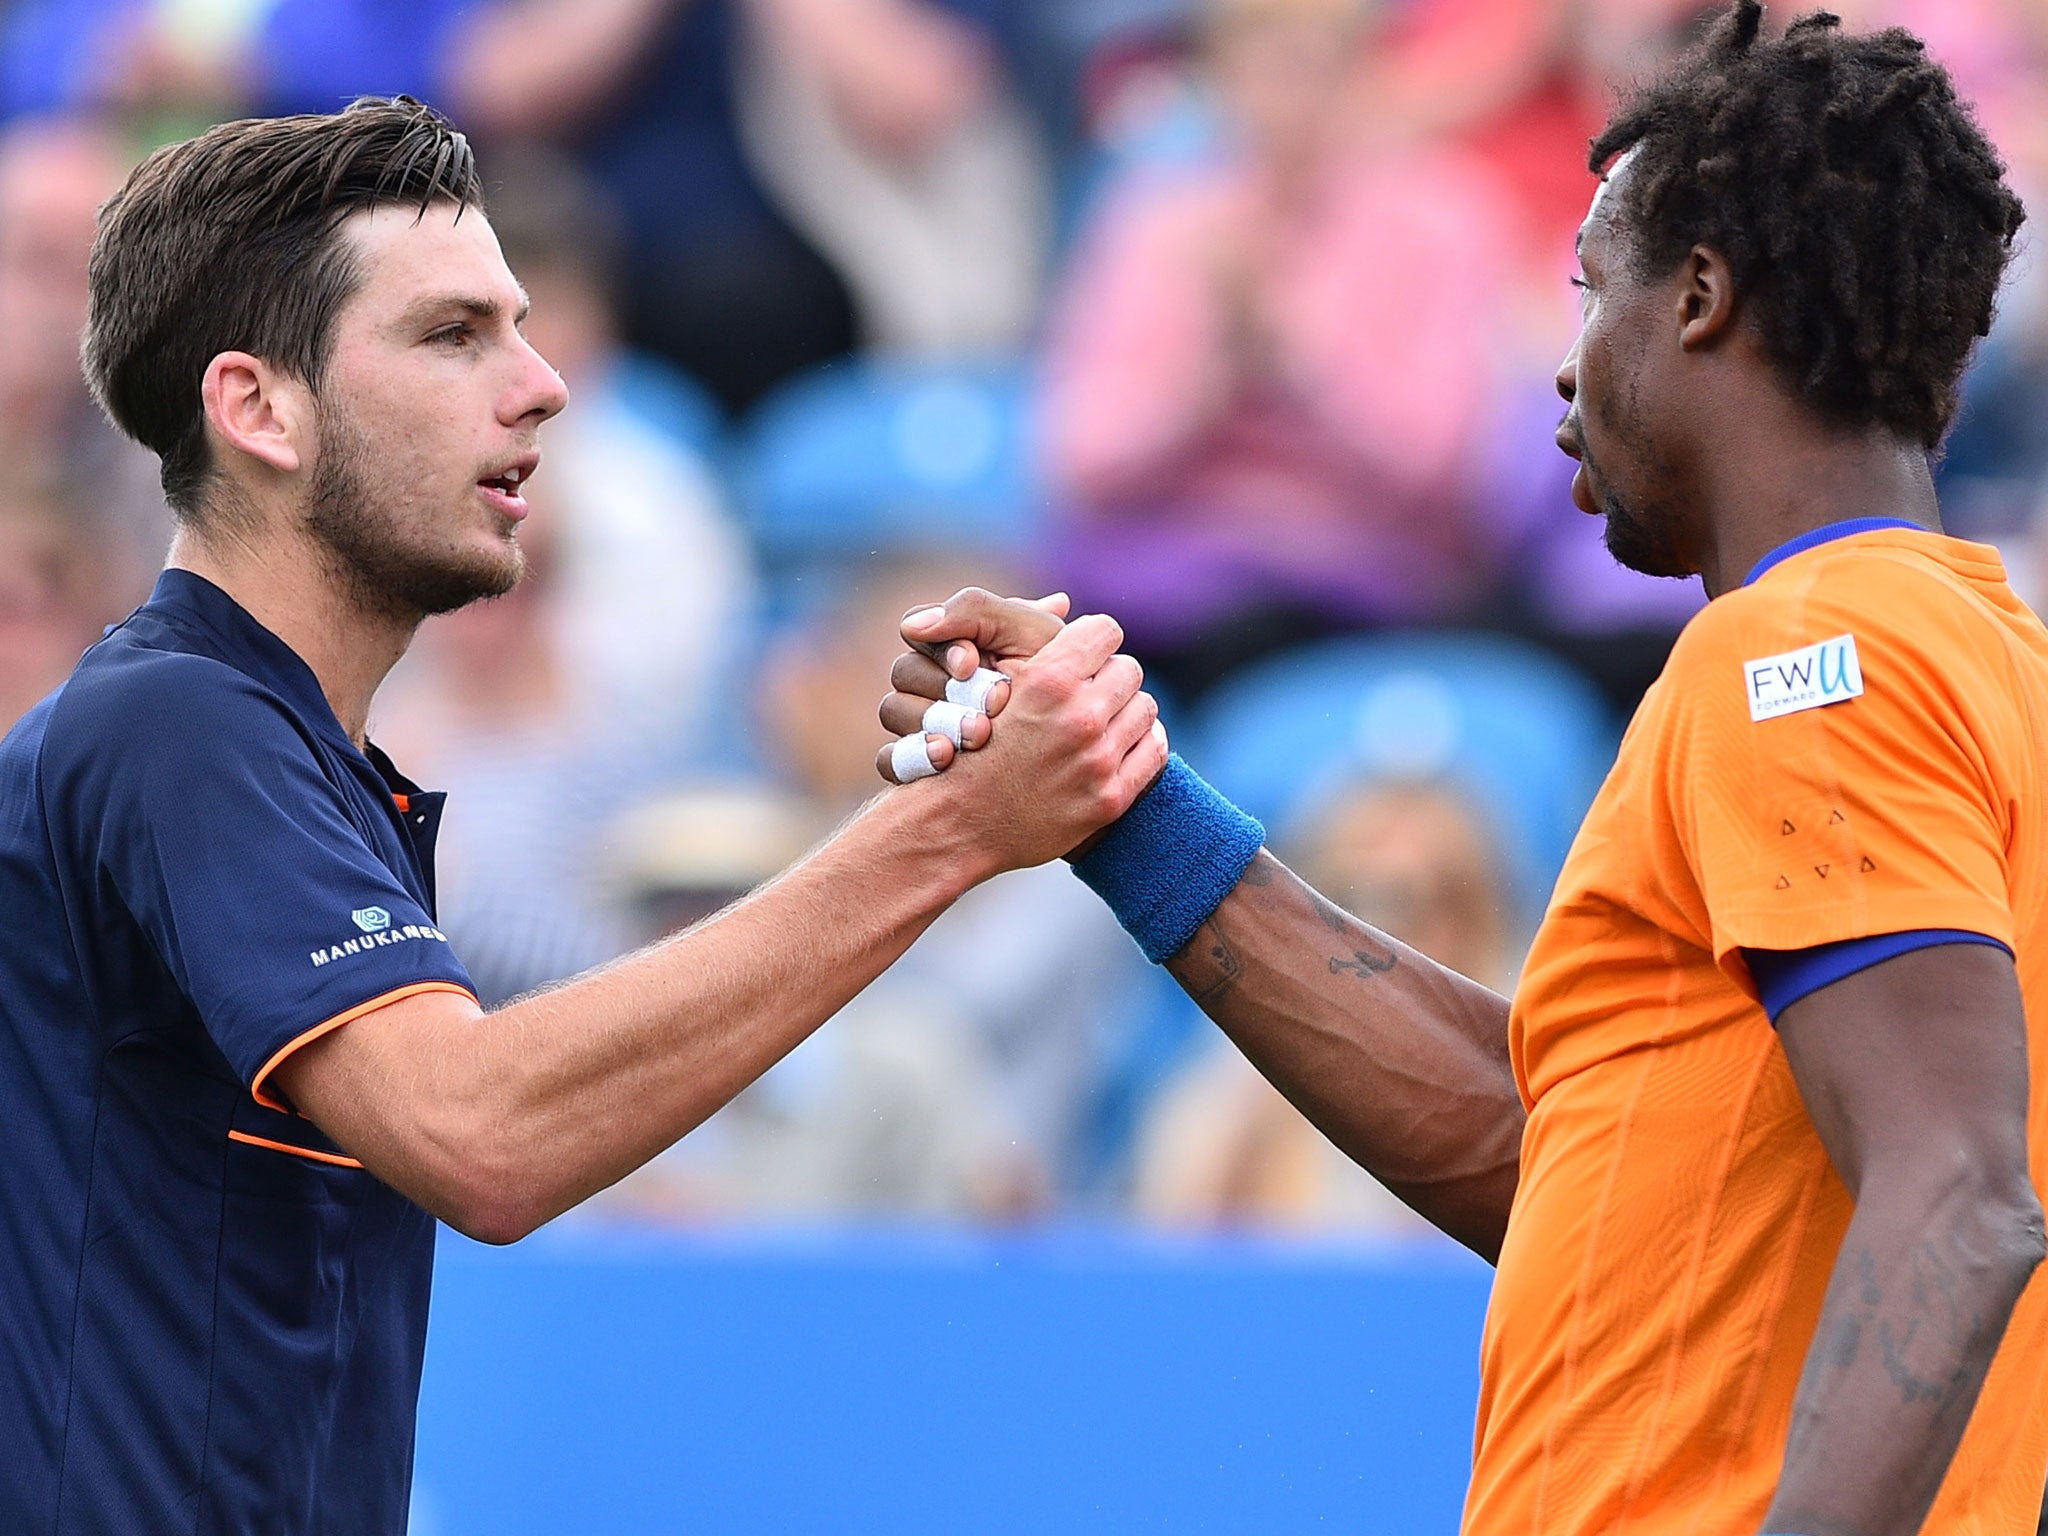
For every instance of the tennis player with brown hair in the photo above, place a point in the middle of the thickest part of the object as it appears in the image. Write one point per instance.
(241, 1070)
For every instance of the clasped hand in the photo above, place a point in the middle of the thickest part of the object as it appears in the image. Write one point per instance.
(1081, 738)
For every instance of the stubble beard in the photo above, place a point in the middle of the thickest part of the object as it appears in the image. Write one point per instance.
(383, 567)
(1639, 540)
(1640, 535)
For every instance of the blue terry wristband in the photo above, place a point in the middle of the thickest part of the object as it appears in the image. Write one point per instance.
(1171, 860)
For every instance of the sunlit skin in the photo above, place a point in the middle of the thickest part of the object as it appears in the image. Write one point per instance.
(354, 513)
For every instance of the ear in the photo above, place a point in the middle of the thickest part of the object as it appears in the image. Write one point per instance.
(1706, 298)
(257, 410)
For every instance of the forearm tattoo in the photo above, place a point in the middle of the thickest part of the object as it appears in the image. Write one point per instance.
(1208, 968)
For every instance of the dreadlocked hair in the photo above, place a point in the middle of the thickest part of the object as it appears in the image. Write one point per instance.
(1863, 213)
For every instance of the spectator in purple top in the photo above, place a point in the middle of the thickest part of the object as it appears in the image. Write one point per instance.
(1267, 372)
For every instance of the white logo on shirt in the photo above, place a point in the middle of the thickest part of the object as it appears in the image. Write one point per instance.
(1808, 678)
(383, 938)
(370, 919)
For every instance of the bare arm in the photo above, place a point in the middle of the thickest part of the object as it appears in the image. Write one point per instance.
(1915, 1075)
(536, 67)
(900, 74)
(499, 1122)
(1400, 1062)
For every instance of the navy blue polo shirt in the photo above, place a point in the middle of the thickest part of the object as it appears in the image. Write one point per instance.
(211, 1317)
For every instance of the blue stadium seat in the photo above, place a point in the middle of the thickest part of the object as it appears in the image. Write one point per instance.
(668, 398)
(1525, 736)
(891, 454)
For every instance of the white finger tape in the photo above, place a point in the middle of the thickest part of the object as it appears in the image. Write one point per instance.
(948, 720)
(975, 690)
(912, 759)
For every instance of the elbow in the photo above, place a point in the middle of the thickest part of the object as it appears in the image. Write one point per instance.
(2004, 1234)
(2027, 1235)
(1976, 1210)
(486, 1190)
(2012, 1219)
(494, 1220)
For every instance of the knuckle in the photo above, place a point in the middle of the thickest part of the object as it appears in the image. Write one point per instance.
(1115, 629)
(902, 670)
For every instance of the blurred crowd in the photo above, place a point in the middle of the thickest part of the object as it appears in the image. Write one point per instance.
(1234, 318)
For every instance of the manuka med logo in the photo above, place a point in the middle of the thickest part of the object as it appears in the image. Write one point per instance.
(377, 934)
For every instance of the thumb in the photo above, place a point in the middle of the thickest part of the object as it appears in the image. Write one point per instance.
(995, 626)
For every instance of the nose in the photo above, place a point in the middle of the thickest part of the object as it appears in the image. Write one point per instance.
(540, 392)
(1568, 375)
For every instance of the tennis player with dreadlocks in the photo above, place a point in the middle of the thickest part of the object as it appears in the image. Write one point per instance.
(1751, 1145)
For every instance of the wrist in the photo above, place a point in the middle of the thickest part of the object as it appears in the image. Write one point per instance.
(1169, 863)
(927, 833)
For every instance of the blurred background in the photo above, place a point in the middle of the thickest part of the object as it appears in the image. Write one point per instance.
(1235, 318)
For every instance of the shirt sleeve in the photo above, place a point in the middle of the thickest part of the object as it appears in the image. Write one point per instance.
(1855, 813)
(1784, 976)
(206, 815)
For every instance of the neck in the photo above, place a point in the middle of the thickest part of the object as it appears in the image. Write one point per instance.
(288, 589)
(1778, 482)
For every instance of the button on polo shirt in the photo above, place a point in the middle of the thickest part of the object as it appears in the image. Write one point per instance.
(213, 1317)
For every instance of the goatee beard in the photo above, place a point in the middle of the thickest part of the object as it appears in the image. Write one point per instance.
(369, 554)
(1638, 543)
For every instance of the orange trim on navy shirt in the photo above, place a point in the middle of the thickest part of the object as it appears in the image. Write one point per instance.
(403, 802)
(298, 1041)
(335, 1158)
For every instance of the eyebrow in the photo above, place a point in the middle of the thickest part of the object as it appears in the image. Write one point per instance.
(470, 305)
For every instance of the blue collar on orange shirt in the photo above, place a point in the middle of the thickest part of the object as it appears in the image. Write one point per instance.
(1813, 538)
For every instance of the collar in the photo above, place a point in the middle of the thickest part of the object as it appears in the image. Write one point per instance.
(183, 600)
(1813, 538)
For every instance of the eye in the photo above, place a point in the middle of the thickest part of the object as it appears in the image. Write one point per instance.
(457, 335)
(1581, 284)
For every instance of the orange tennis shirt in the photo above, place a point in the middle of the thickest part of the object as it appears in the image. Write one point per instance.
(1851, 746)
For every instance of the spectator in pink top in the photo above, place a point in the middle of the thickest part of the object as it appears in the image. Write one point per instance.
(1266, 375)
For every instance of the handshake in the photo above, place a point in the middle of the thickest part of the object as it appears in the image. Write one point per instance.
(1081, 738)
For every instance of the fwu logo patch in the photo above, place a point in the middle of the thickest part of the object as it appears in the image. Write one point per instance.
(371, 919)
(1826, 673)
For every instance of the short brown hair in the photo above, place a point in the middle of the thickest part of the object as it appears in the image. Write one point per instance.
(227, 242)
